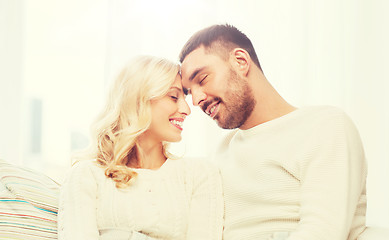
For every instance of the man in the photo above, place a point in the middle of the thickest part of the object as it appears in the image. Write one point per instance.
(288, 173)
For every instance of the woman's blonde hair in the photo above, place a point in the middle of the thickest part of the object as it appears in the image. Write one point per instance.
(127, 115)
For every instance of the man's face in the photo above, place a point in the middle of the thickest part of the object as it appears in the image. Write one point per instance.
(217, 88)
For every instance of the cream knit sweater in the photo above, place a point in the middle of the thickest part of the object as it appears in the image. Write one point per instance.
(302, 174)
(181, 200)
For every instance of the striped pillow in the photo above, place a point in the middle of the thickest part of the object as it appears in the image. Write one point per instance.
(28, 204)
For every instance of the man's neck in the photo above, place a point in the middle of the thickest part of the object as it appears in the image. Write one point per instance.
(269, 104)
(267, 114)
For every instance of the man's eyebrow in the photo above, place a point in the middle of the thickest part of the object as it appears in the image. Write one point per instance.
(195, 72)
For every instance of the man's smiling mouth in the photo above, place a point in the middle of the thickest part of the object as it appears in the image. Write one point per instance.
(212, 109)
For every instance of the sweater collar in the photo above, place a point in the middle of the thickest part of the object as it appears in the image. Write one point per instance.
(272, 124)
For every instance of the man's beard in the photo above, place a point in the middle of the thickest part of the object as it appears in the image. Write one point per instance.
(238, 103)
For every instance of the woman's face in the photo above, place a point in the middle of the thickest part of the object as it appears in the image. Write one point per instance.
(168, 114)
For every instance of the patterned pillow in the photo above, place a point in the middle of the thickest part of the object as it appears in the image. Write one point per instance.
(28, 204)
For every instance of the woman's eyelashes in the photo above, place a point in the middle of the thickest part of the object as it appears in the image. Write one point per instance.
(174, 97)
(176, 94)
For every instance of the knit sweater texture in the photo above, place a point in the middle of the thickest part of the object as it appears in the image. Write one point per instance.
(303, 174)
(181, 200)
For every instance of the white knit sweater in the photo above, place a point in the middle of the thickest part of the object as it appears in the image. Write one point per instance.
(303, 174)
(181, 200)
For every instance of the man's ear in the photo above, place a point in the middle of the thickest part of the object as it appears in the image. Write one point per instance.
(241, 60)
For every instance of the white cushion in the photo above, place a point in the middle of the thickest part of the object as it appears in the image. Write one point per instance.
(28, 204)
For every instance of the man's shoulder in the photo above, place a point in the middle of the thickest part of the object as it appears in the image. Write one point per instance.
(324, 110)
(321, 110)
(323, 114)
(328, 119)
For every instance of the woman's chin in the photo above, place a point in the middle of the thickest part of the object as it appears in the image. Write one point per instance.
(175, 139)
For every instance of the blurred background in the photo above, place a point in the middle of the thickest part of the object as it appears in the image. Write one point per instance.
(58, 57)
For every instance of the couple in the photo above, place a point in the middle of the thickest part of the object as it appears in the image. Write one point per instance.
(283, 173)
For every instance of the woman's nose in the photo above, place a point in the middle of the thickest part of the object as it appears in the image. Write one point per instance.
(184, 108)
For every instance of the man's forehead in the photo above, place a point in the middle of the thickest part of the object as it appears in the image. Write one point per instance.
(192, 61)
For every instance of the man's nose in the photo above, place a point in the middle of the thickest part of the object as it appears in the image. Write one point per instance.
(198, 97)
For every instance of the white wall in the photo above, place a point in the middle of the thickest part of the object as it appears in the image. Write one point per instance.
(11, 71)
(314, 52)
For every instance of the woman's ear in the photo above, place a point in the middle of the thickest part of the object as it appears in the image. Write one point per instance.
(241, 60)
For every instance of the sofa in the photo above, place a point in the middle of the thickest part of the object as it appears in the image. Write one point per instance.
(29, 206)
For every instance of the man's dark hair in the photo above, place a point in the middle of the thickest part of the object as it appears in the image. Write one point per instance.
(219, 39)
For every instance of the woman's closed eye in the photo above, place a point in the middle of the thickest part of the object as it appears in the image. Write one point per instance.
(175, 98)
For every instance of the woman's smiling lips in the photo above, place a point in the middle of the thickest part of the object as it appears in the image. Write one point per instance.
(177, 122)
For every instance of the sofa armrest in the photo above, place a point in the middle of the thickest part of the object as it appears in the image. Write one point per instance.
(374, 233)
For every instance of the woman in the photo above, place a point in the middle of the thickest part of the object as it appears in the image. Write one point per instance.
(132, 188)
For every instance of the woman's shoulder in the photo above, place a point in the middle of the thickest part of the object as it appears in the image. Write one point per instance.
(85, 168)
(196, 163)
(86, 165)
(202, 175)
(198, 168)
